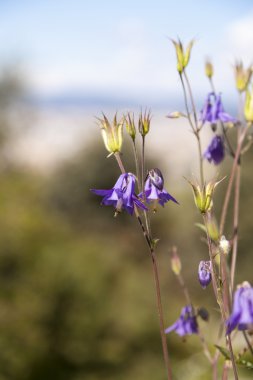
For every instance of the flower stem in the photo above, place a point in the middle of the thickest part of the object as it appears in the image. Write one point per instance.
(195, 128)
(231, 179)
(156, 278)
(220, 301)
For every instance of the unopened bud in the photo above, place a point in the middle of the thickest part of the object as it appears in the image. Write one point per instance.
(209, 69)
(175, 115)
(205, 273)
(175, 262)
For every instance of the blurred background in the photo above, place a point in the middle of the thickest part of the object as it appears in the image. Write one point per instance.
(77, 297)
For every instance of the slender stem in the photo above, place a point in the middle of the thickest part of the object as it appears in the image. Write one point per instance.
(137, 167)
(158, 297)
(235, 224)
(195, 128)
(212, 84)
(119, 161)
(192, 100)
(200, 160)
(225, 371)
(230, 183)
(219, 299)
(156, 278)
(186, 103)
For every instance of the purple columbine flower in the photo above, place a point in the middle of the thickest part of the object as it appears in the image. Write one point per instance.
(213, 110)
(205, 273)
(122, 195)
(186, 323)
(242, 313)
(154, 190)
(215, 151)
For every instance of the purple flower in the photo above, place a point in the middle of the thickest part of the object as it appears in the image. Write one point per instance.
(242, 314)
(213, 110)
(215, 151)
(186, 324)
(154, 190)
(205, 273)
(122, 195)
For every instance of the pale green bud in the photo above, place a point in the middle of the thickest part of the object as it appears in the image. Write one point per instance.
(175, 262)
(209, 69)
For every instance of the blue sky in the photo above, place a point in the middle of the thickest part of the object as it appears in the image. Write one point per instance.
(121, 49)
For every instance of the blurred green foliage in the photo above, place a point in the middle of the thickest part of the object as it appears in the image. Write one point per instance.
(77, 298)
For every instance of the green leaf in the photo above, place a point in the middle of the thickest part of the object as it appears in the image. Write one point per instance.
(224, 352)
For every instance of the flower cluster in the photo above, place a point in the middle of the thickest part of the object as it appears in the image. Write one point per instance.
(122, 196)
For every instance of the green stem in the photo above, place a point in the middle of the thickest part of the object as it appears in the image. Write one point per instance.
(231, 179)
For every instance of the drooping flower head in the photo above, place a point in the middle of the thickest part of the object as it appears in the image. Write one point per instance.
(242, 313)
(205, 273)
(153, 189)
(213, 110)
(215, 151)
(122, 195)
(186, 323)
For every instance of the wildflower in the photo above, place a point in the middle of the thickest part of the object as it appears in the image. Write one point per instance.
(122, 195)
(242, 76)
(215, 151)
(153, 189)
(175, 115)
(203, 197)
(248, 106)
(183, 57)
(209, 69)
(186, 324)
(205, 273)
(213, 110)
(242, 313)
(112, 134)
